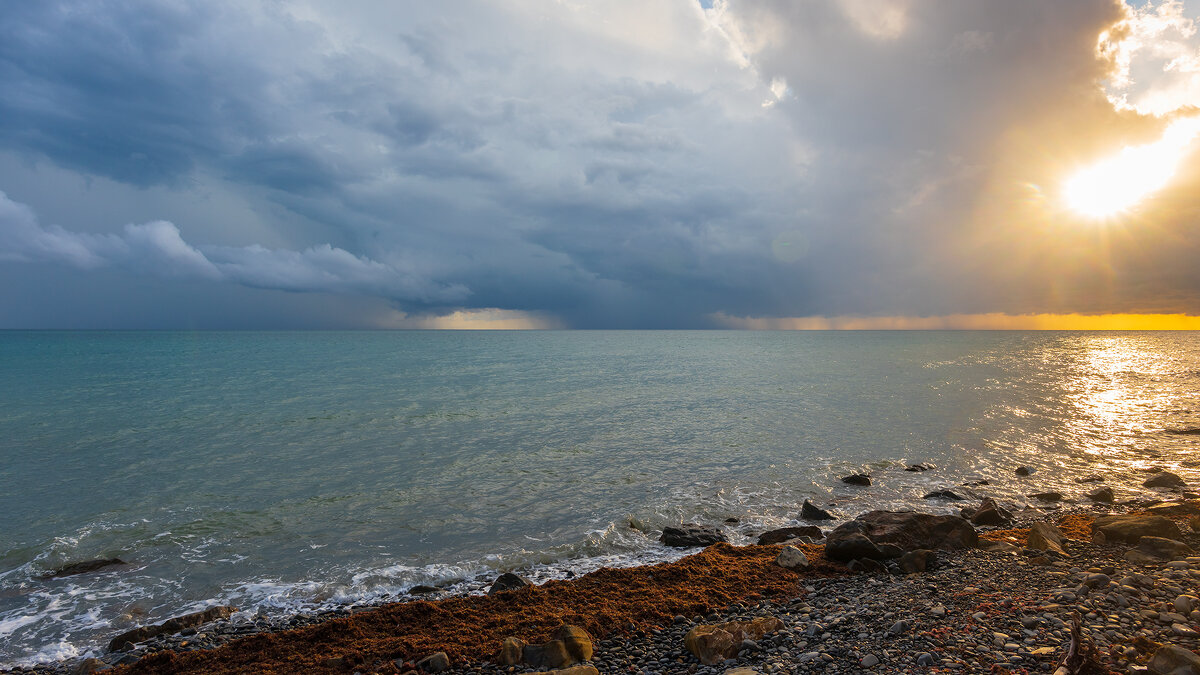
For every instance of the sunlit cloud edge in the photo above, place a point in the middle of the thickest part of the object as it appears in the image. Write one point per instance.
(988, 321)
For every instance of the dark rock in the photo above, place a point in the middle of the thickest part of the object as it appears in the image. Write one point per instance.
(577, 641)
(1094, 478)
(944, 495)
(976, 483)
(857, 479)
(889, 551)
(1104, 495)
(850, 546)
(1174, 509)
(83, 567)
(787, 533)
(1047, 496)
(732, 521)
(1045, 537)
(511, 651)
(434, 663)
(422, 589)
(810, 512)
(1023, 471)
(908, 531)
(1190, 431)
(691, 534)
(1161, 547)
(917, 561)
(917, 467)
(1174, 660)
(1165, 479)
(991, 513)
(1129, 529)
(170, 626)
(508, 582)
(866, 566)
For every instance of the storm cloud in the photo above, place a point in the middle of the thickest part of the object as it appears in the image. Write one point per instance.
(621, 164)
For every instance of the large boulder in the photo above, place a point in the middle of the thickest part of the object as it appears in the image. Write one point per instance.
(1104, 495)
(991, 513)
(910, 531)
(1174, 660)
(1166, 549)
(169, 627)
(857, 479)
(83, 567)
(850, 545)
(785, 533)
(568, 645)
(1164, 479)
(691, 534)
(1121, 528)
(712, 644)
(1174, 509)
(810, 512)
(1045, 537)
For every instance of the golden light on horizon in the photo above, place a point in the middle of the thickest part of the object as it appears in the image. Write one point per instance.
(1118, 183)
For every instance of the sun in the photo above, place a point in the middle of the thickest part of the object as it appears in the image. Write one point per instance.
(1119, 183)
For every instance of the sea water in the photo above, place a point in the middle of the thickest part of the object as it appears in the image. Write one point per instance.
(277, 471)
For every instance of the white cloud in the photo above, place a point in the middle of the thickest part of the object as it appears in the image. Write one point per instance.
(1155, 54)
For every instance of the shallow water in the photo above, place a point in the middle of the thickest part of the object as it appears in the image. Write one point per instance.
(279, 470)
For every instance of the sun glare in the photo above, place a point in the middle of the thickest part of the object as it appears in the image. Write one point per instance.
(1120, 182)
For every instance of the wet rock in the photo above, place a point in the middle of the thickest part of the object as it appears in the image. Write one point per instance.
(83, 567)
(1023, 471)
(943, 494)
(1104, 495)
(791, 558)
(434, 663)
(712, 644)
(1045, 537)
(1164, 479)
(785, 533)
(1094, 478)
(857, 479)
(1047, 496)
(810, 512)
(917, 467)
(688, 535)
(991, 513)
(1174, 660)
(1161, 547)
(422, 589)
(916, 561)
(1129, 529)
(174, 625)
(508, 582)
(909, 530)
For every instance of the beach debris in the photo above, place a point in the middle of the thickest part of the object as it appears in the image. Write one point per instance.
(786, 533)
(791, 558)
(946, 495)
(1104, 495)
(1023, 471)
(83, 567)
(1164, 479)
(1082, 657)
(1163, 548)
(1045, 537)
(127, 639)
(857, 479)
(1129, 529)
(712, 644)
(690, 534)
(508, 582)
(434, 663)
(810, 512)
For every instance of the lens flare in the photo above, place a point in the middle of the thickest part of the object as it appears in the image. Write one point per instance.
(1120, 182)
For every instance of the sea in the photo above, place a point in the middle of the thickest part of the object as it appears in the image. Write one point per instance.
(295, 471)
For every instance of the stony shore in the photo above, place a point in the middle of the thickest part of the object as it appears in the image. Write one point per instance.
(1001, 608)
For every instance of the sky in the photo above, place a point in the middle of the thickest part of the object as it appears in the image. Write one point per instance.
(617, 164)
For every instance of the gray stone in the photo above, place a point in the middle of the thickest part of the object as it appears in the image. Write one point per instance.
(791, 558)
(688, 535)
(1045, 537)
(1174, 660)
(869, 661)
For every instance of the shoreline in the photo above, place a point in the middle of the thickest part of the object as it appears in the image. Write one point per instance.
(636, 616)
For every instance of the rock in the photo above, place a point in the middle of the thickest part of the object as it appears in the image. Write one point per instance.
(850, 546)
(508, 582)
(1194, 523)
(511, 652)
(1184, 604)
(899, 628)
(1023, 471)
(553, 654)
(917, 561)
(1129, 529)
(1184, 630)
(785, 533)
(577, 640)
(943, 494)
(91, 665)
(938, 611)
(434, 663)
(1174, 509)
(732, 521)
(917, 467)
(866, 566)
(1047, 496)
(83, 567)
(889, 551)
(1174, 660)
(925, 659)
(169, 627)
(422, 589)
(741, 671)
(991, 513)
(998, 546)
(688, 535)
(1104, 495)
(1094, 478)
(857, 479)
(1161, 547)
(1045, 537)
(908, 530)
(586, 669)
(1164, 479)
(712, 644)
(810, 512)
(869, 661)
(1139, 558)
(791, 558)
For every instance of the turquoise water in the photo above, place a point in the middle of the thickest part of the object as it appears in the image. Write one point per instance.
(279, 470)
